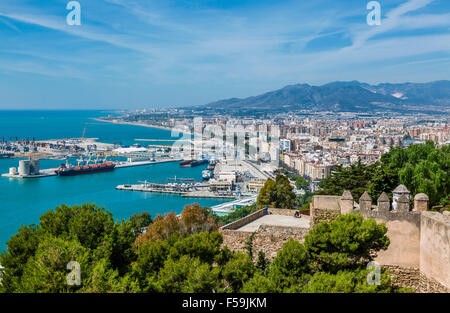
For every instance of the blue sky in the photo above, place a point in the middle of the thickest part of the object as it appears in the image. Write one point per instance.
(154, 53)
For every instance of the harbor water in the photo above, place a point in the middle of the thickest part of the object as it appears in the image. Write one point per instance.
(23, 201)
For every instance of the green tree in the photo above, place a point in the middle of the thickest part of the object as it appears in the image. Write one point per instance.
(249, 245)
(289, 265)
(21, 247)
(266, 194)
(237, 271)
(292, 260)
(354, 178)
(304, 199)
(150, 259)
(187, 274)
(422, 168)
(276, 193)
(139, 221)
(122, 250)
(203, 245)
(47, 270)
(347, 282)
(85, 234)
(103, 279)
(89, 224)
(259, 283)
(283, 194)
(348, 242)
(262, 263)
(384, 179)
(300, 182)
(332, 259)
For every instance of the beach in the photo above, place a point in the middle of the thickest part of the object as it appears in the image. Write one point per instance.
(116, 121)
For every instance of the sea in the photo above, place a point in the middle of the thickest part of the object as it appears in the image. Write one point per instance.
(23, 201)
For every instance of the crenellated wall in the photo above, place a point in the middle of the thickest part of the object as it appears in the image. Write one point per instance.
(403, 231)
(419, 240)
(419, 251)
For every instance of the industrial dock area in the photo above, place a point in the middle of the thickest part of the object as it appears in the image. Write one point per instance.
(92, 156)
(229, 180)
(30, 168)
(237, 180)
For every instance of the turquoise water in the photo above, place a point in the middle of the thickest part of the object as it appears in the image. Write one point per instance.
(23, 201)
(70, 124)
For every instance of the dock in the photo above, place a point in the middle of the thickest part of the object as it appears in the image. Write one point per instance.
(146, 188)
(206, 194)
(42, 173)
(140, 163)
(186, 189)
(51, 171)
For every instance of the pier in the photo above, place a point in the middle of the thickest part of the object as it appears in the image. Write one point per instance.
(42, 173)
(51, 171)
(148, 188)
(184, 187)
(140, 163)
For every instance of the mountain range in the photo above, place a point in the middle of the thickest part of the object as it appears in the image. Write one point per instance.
(351, 96)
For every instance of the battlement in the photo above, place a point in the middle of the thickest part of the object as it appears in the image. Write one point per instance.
(399, 209)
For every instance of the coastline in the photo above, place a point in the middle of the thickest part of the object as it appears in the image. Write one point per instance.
(139, 124)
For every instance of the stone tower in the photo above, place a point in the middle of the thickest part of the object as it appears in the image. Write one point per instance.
(397, 193)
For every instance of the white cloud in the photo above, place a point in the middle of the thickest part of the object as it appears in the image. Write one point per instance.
(162, 46)
(395, 19)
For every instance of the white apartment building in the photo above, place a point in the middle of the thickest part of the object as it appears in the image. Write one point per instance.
(285, 145)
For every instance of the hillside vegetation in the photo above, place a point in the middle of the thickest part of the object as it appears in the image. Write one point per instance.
(185, 255)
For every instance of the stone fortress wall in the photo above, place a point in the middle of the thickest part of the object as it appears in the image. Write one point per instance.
(267, 238)
(419, 252)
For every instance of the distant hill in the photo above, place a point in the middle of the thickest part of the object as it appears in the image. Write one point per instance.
(342, 97)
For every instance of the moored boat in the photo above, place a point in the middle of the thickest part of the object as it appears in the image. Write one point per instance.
(192, 163)
(70, 170)
(186, 163)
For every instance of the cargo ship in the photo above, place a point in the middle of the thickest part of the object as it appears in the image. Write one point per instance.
(186, 163)
(192, 163)
(70, 170)
(6, 155)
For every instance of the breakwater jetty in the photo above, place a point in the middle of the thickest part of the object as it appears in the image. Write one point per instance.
(40, 173)
(186, 188)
